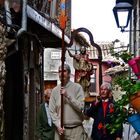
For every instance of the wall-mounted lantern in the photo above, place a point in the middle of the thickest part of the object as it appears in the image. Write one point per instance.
(122, 13)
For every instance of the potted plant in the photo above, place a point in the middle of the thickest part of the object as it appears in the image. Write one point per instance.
(131, 96)
(133, 62)
(134, 120)
(121, 114)
(124, 55)
(131, 89)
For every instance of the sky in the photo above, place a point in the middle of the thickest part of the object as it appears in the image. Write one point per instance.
(97, 16)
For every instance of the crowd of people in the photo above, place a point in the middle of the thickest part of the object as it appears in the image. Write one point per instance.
(75, 112)
(49, 116)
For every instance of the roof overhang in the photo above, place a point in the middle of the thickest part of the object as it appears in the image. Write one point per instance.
(45, 23)
(117, 69)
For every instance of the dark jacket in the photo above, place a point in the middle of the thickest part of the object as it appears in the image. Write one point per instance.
(44, 131)
(99, 132)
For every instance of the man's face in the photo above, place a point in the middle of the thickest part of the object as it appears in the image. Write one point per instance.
(104, 92)
(66, 74)
(83, 50)
(47, 97)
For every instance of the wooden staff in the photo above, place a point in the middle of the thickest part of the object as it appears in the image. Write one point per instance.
(62, 20)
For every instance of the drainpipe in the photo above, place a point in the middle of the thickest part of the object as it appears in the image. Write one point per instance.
(8, 14)
(24, 19)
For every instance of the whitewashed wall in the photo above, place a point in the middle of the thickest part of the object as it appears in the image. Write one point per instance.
(52, 60)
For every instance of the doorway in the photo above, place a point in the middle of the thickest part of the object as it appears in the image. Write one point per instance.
(13, 98)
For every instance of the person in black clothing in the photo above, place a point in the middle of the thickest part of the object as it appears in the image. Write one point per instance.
(45, 128)
(100, 111)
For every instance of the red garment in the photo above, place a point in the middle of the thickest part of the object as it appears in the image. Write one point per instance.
(104, 108)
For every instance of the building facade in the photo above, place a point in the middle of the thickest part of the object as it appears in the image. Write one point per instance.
(33, 25)
(135, 29)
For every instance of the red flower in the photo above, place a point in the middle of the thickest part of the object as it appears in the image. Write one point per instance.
(100, 125)
(111, 108)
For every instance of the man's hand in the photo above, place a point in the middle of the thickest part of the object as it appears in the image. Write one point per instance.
(60, 130)
(63, 92)
(118, 138)
(97, 100)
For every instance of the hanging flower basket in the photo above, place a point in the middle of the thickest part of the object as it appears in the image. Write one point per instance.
(134, 120)
(134, 63)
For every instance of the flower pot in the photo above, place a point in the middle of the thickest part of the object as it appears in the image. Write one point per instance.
(134, 63)
(135, 101)
(134, 120)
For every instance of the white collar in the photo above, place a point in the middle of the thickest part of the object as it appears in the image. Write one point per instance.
(46, 104)
(106, 100)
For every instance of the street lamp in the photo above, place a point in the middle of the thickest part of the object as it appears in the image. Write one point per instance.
(122, 12)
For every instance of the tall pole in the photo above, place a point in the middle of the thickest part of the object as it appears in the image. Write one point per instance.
(62, 20)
